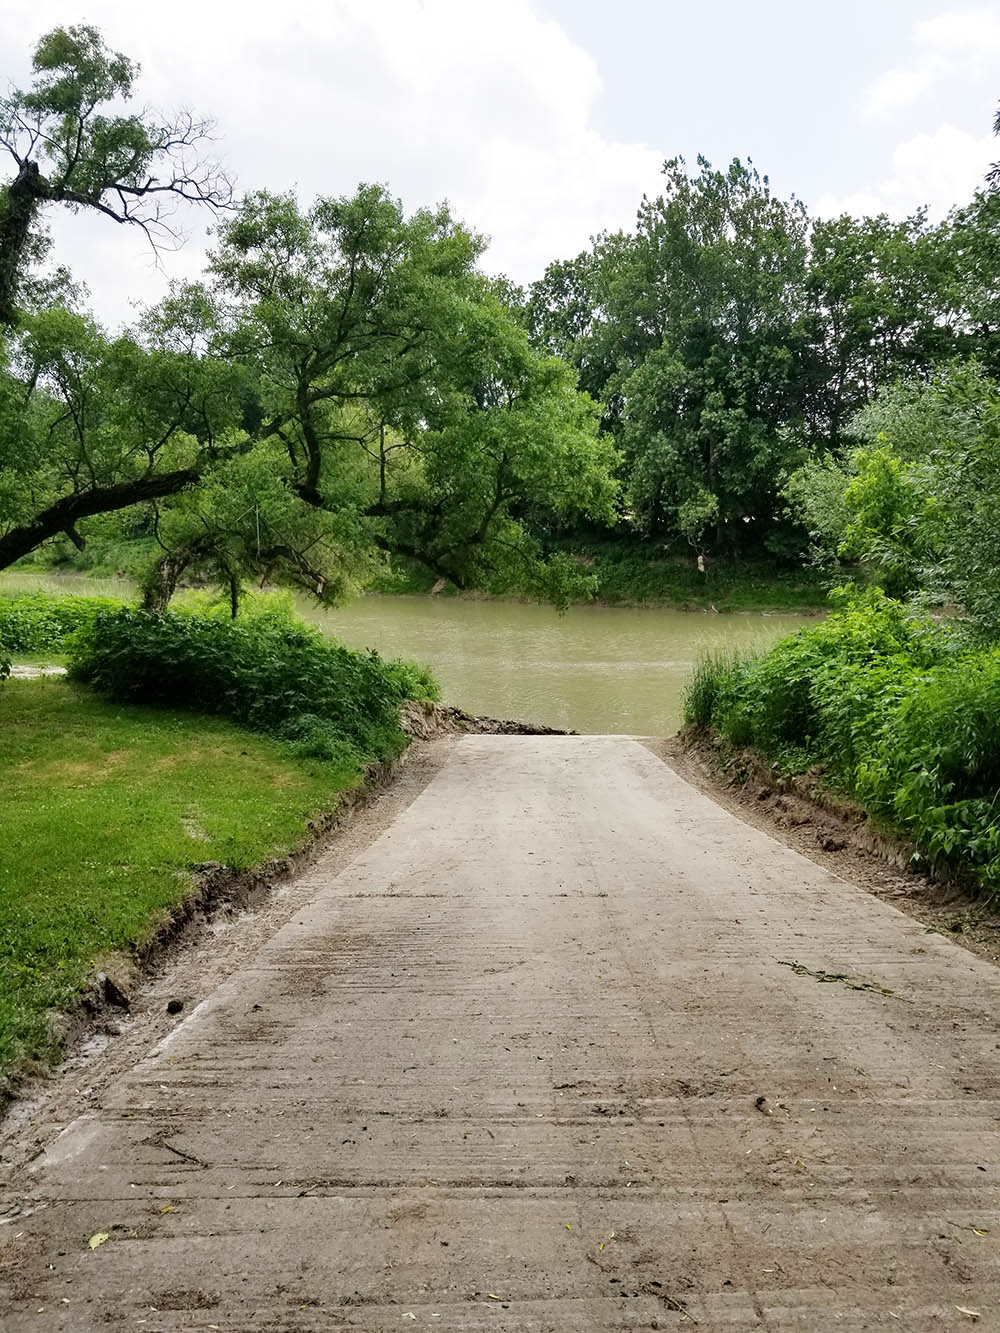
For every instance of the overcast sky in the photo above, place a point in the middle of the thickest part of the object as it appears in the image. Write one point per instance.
(544, 121)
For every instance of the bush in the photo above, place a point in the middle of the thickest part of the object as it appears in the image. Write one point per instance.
(41, 622)
(899, 710)
(413, 681)
(935, 769)
(268, 672)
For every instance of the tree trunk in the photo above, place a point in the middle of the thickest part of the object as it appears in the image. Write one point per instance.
(19, 206)
(160, 583)
(65, 513)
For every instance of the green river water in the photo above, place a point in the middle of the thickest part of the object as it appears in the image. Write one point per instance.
(595, 669)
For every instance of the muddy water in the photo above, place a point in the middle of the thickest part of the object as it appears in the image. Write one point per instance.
(594, 669)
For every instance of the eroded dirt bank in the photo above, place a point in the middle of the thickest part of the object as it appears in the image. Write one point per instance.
(568, 1046)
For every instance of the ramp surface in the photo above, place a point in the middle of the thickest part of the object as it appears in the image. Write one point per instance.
(568, 1048)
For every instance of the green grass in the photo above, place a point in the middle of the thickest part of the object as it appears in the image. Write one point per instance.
(106, 807)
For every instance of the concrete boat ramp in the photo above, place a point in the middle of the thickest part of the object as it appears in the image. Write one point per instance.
(567, 1047)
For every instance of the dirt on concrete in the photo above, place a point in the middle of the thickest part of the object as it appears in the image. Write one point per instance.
(564, 1046)
(835, 833)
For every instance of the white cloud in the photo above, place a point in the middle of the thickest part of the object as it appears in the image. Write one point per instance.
(920, 113)
(489, 105)
(896, 89)
(937, 169)
(961, 44)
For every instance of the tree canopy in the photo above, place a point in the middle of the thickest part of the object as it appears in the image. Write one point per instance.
(69, 146)
(344, 385)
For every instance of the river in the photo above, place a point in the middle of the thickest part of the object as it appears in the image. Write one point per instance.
(595, 669)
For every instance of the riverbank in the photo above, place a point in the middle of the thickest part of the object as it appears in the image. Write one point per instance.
(628, 574)
(124, 824)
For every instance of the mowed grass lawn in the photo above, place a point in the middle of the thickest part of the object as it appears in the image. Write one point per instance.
(104, 809)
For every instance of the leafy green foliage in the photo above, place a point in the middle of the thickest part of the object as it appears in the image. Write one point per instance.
(721, 261)
(814, 495)
(899, 710)
(733, 340)
(267, 673)
(40, 622)
(91, 424)
(883, 503)
(405, 397)
(412, 680)
(636, 573)
(919, 499)
(880, 305)
(935, 770)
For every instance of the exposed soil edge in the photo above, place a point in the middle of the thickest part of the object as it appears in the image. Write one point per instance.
(836, 834)
(423, 721)
(219, 888)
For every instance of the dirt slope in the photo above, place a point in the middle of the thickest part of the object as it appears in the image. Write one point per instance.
(567, 1047)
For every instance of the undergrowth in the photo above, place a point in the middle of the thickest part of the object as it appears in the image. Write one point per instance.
(899, 710)
(41, 622)
(266, 671)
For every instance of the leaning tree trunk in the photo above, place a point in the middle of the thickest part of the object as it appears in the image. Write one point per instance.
(160, 584)
(19, 204)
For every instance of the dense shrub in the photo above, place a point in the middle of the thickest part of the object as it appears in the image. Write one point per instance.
(41, 622)
(899, 710)
(268, 672)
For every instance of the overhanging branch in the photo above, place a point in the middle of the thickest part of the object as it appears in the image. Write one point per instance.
(65, 513)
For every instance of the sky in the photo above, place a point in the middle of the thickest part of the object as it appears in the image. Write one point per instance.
(542, 122)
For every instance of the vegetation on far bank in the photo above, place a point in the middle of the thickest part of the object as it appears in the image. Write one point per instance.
(631, 574)
(621, 573)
